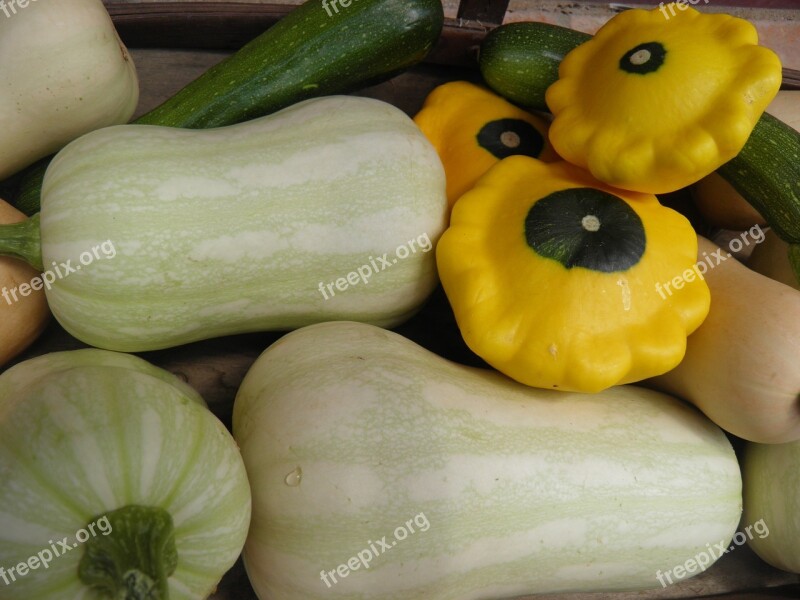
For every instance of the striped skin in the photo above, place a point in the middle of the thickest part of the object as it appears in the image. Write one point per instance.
(232, 230)
(86, 432)
(64, 73)
(525, 490)
(772, 493)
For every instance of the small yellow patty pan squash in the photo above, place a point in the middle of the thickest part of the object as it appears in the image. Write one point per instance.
(473, 129)
(653, 104)
(562, 282)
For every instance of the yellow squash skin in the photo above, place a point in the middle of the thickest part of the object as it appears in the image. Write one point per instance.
(654, 104)
(21, 321)
(453, 118)
(573, 328)
(741, 366)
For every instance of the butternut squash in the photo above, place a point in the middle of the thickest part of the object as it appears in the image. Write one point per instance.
(63, 72)
(347, 430)
(741, 366)
(22, 320)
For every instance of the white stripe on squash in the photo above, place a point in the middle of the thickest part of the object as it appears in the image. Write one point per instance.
(525, 490)
(242, 223)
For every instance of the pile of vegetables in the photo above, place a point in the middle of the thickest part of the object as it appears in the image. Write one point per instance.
(259, 198)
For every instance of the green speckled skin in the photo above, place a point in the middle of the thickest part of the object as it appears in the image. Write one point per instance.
(232, 230)
(526, 491)
(310, 52)
(520, 61)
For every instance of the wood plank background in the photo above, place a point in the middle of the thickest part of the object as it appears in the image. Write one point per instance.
(225, 24)
(216, 368)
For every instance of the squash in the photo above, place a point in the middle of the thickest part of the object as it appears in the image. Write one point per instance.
(22, 317)
(718, 201)
(64, 72)
(118, 482)
(451, 482)
(741, 366)
(766, 172)
(270, 224)
(771, 259)
(473, 129)
(520, 60)
(313, 51)
(653, 105)
(555, 279)
(771, 474)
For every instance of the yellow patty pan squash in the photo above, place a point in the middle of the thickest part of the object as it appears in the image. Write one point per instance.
(654, 103)
(561, 282)
(473, 129)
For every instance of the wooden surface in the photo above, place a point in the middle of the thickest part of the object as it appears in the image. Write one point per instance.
(226, 24)
(216, 368)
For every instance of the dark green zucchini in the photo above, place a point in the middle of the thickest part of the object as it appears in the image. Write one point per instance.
(313, 51)
(767, 174)
(520, 61)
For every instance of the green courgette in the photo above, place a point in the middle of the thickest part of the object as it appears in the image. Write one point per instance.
(312, 51)
(520, 61)
(767, 174)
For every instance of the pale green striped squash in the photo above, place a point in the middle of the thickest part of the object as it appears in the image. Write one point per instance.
(233, 230)
(90, 435)
(772, 494)
(349, 431)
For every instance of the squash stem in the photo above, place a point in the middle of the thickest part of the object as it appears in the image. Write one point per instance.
(23, 240)
(132, 554)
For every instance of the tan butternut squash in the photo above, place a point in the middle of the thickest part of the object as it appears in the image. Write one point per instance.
(21, 321)
(742, 366)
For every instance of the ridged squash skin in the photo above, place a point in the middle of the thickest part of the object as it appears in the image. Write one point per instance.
(86, 432)
(772, 492)
(349, 431)
(22, 320)
(63, 72)
(235, 229)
